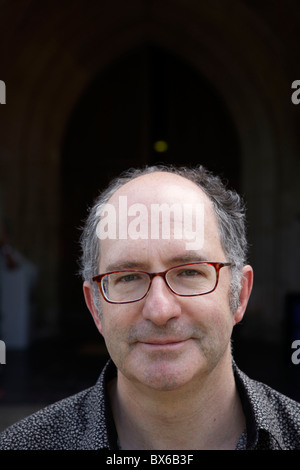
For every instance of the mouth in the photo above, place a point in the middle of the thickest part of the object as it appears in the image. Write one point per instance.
(166, 343)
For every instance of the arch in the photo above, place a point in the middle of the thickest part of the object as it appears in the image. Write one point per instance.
(114, 127)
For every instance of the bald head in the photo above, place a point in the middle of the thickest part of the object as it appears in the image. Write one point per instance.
(159, 187)
(158, 206)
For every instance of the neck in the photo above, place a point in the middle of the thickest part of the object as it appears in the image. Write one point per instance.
(206, 414)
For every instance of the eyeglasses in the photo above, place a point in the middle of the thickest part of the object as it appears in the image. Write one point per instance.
(186, 280)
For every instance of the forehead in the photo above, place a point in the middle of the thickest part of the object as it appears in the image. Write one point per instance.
(180, 203)
(161, 187)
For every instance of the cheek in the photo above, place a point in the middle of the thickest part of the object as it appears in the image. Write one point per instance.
(217, 323)
(115, 323)
(214, 315)
(110, 332)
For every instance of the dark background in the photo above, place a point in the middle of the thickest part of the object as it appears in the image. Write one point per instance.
(91, 86)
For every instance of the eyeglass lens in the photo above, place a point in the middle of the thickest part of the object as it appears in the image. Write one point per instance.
(186, 280)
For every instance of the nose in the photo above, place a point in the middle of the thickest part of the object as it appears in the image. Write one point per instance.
(160, 304)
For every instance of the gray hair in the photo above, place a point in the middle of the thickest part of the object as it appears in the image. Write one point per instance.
(227, 204)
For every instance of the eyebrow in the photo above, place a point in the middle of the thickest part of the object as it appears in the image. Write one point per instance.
(190, 257)
(124, 266)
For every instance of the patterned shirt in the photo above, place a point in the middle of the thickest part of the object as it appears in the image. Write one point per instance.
(84, 421)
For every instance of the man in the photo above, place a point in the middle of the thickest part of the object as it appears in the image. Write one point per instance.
(165, 279)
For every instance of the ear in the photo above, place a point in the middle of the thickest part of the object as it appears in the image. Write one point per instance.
(89, 300)
(247, 283)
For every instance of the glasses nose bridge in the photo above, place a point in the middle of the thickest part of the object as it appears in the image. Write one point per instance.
(160, 274)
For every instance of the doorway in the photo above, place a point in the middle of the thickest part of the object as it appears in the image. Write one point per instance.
(145, 97)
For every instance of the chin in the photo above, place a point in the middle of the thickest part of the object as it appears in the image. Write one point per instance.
(165, 376)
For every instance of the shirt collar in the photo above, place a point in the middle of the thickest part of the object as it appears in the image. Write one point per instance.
(260, 417)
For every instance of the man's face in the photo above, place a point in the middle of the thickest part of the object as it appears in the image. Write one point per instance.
(165, 341)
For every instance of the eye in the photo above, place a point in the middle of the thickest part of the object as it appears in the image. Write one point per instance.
(191, 272)
(125, 278)
(199, 272)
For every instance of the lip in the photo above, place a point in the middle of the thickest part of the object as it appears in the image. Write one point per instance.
(167, 343)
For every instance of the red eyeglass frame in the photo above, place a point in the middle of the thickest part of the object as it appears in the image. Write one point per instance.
(162, 274)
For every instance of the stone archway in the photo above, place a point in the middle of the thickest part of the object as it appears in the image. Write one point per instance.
(114, 126)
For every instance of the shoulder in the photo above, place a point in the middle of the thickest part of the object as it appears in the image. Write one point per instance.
(76, 422)
(273, 412)
(56, 426)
